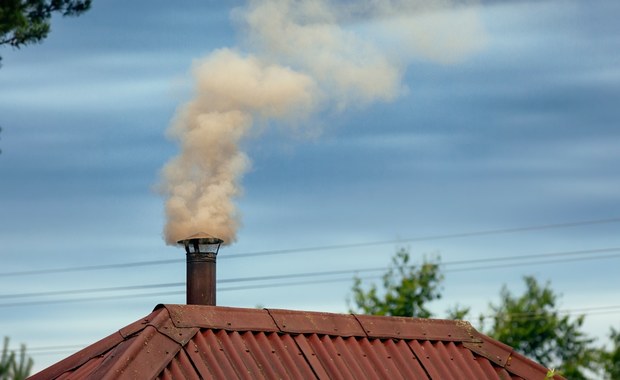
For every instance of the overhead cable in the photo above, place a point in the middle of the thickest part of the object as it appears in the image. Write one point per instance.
(316, 248)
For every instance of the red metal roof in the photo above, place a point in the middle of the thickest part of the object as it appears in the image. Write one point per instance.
(210, 342)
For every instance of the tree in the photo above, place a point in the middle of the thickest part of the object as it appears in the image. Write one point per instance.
(6, 359)
(12, 366)
(24, 22)
(533, 325)
(611, 359)
(406, 289)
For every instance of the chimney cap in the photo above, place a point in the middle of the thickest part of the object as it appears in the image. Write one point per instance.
(202, 237)
(201, 243)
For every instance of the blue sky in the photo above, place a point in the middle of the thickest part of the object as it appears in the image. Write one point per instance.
(520, 131)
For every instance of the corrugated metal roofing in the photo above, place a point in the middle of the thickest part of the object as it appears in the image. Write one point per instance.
(209, 342)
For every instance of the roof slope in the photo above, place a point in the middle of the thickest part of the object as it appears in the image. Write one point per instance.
(204, 342)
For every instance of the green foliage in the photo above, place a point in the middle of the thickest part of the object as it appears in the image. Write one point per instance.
(12, 366)
(610, 360)
(24, 22)
(406, 289)
(532, 324)
(458, 312)
(6, 359)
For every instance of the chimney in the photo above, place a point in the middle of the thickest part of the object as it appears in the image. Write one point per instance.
(201, 250)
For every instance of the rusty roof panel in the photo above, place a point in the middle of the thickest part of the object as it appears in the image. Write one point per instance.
(351, 358)
(230, 354)
(207, 342)
(388, 369)
(217, 317)
(487, 368)
(298, 322)
(359, 358)
(405, 359)
(448, 360)
(82, 371)
(145, 354)
(180, 368)
(208, 357)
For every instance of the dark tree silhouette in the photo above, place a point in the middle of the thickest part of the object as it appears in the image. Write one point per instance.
(24, 22)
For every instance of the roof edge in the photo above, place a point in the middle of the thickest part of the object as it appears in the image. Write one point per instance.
(155, 319)
(417, 328)
(506, 357)
(79, 358)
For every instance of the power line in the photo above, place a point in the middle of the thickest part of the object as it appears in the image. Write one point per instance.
(279, 284)
(90, 267)
(91, 290)
(46, 353)
(543, 262)
(317, 248)
(426, 238)
(49, 348)
(90, 299)
(537, 260)
(499, 266)
(533, 256)
(608, 309)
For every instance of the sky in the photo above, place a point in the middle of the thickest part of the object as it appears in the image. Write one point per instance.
(495, 144)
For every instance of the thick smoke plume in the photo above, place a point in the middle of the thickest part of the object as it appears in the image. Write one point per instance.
(303, 56)
(203, 180)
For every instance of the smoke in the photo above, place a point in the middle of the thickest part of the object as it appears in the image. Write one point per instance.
(231, 90)
(302, 56)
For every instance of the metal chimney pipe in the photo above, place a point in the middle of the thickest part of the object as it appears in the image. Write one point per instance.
(201, 250)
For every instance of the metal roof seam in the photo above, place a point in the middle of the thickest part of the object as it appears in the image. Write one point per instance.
(179, 335)
(152, 319)
(387, 368)
(326, 354)
(189, 359)
(409, 366)
(232, 354)
(275, 322)
(291, 358)
(147, 351)
(164, 325)
(361, 325)
(457, 354)
(180, 367)
(424, 358)
(352, 363)
(310, 356)
(204, 349)
(493, 350)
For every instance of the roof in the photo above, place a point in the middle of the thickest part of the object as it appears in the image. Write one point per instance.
(196, 342)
